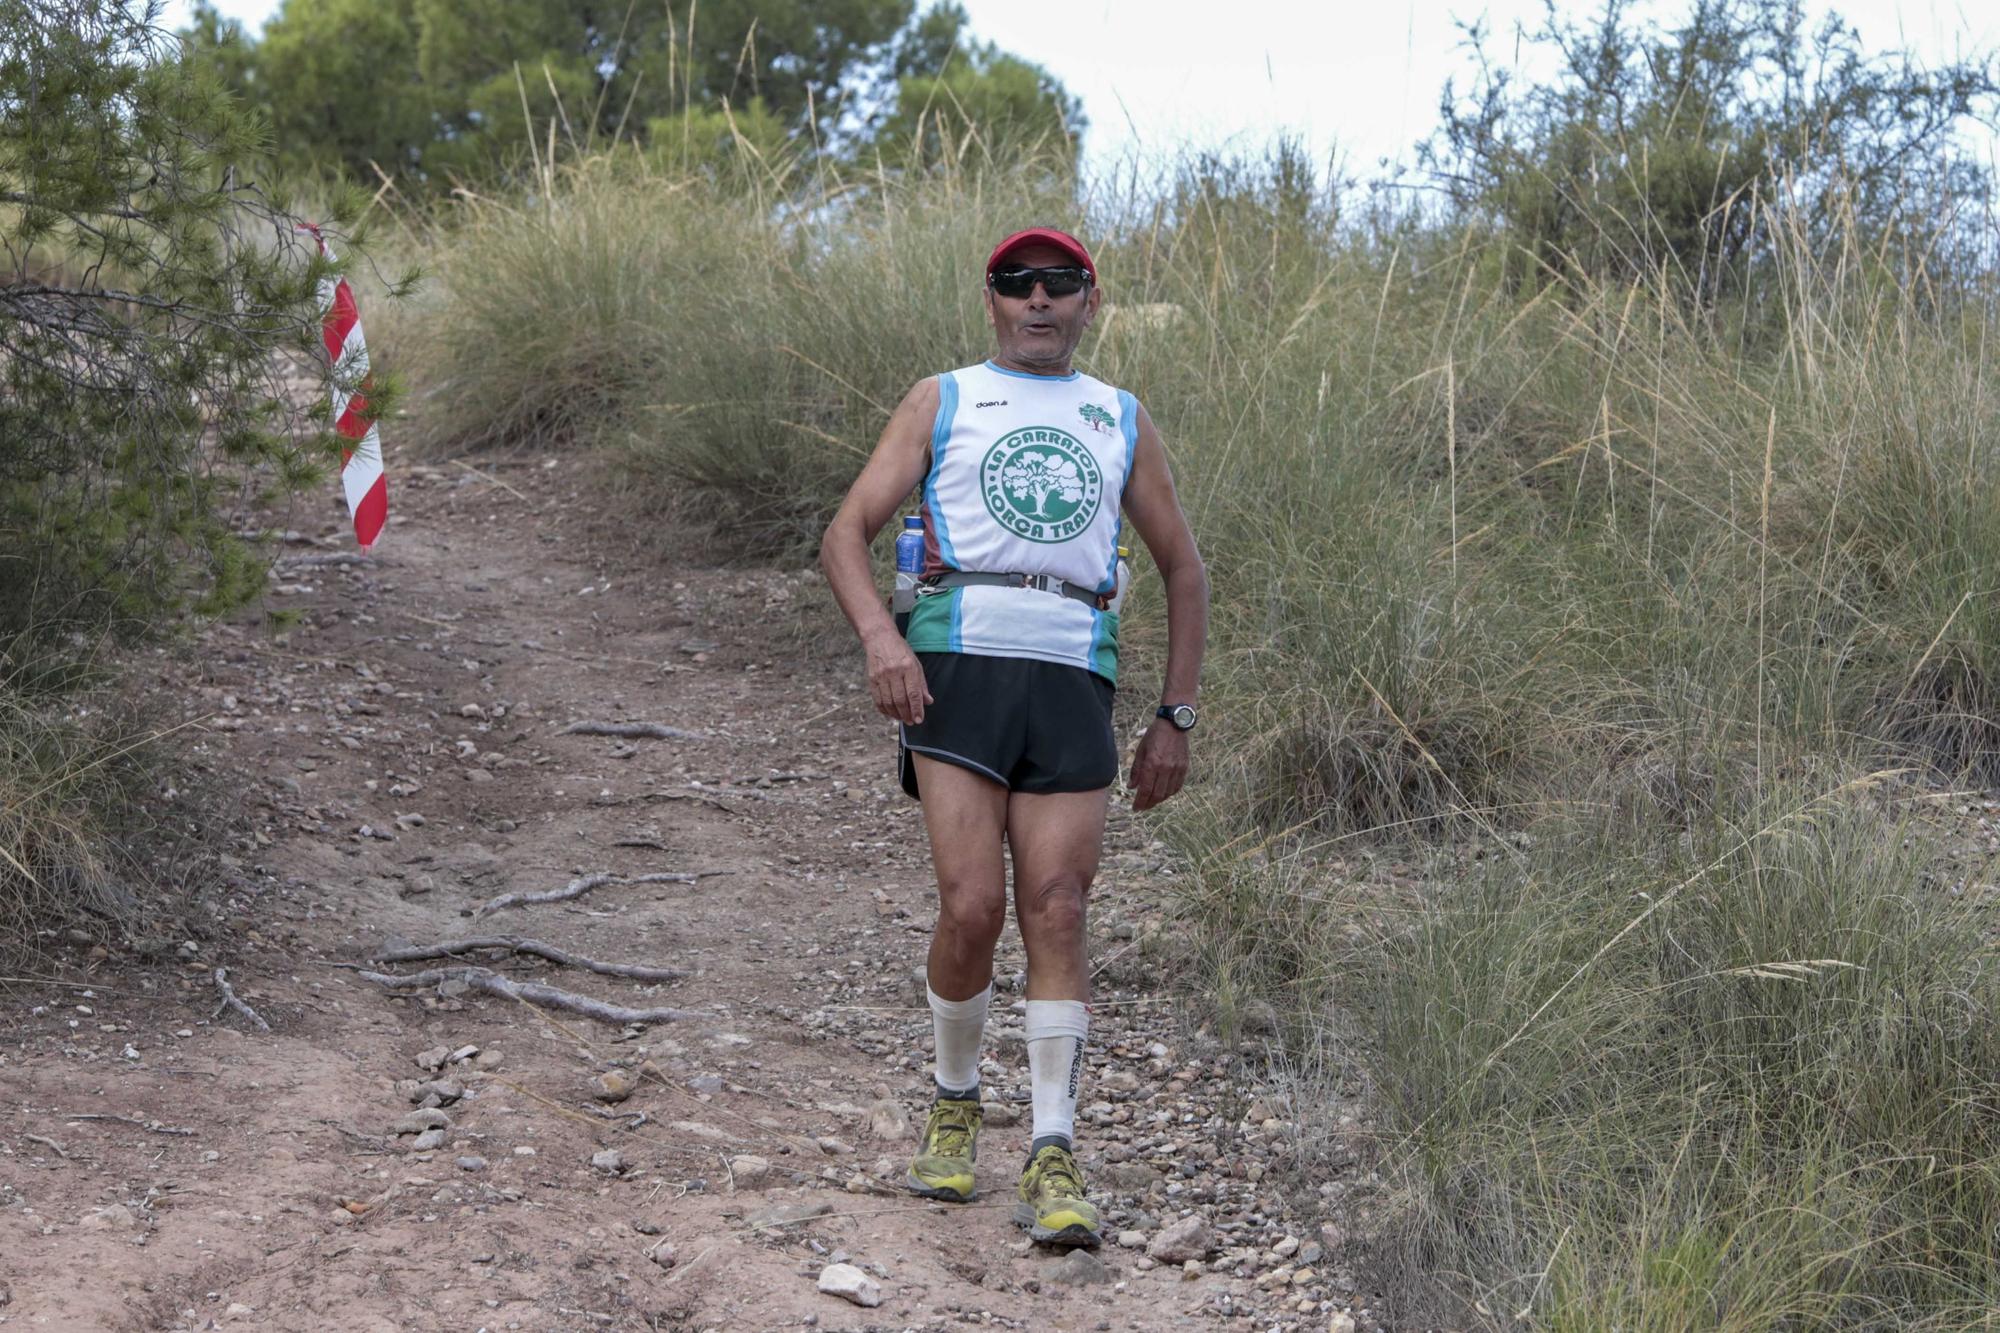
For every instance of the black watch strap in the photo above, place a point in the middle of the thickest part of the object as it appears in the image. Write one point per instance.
(1181, 715)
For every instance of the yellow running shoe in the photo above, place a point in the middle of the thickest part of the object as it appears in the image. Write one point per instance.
(942, 1168)
(1052, 1205)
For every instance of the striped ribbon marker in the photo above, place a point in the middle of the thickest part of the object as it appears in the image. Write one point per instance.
(361, 474)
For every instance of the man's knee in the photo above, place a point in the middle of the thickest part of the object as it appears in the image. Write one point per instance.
(972, 914)
(1055, 906)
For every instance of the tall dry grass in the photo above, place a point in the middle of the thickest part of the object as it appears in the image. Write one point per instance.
(1595, 603)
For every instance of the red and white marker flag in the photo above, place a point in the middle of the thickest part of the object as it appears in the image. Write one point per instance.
(361, 474)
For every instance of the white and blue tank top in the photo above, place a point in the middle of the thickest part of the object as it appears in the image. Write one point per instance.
(1027, 475)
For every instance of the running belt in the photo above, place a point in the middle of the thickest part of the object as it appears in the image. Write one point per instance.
(959, 578)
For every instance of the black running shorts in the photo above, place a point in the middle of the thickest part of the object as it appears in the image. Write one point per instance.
(1029, 725)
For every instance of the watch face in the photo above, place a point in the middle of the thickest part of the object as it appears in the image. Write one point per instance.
(1183, 717)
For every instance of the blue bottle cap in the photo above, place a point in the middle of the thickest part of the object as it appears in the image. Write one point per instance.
(912, 521)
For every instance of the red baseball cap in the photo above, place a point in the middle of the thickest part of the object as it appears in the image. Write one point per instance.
(1061, 240)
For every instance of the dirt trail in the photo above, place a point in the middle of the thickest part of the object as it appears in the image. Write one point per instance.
(400, 757)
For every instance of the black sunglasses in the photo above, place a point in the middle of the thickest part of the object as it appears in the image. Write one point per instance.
(1019, 282)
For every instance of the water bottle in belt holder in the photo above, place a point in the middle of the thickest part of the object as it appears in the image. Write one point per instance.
(909, 565)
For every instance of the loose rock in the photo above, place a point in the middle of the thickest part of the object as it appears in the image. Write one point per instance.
(416, 1122)
(888, 1121)
(613, 1085)
(850, 1283)
(1342, 1322)
(472, 1163)
(1186, 1240)
(111, 1217)
(788, 1213)
(427, 1141)
(1079, 1268)
(749, 1170)
(610, 1161)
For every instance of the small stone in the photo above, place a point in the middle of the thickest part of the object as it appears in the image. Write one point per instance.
(487, 1059)
(1191, 1270)
(786, 1214)
(472, 1163)
(1311, 1253)
(1131, 1240)
(1342, 1322)
(237, 1309)
(663, 1254)
(1286, 1248)
(111, 1217)
(433, 1059)
(462, 1053)
(1000, 1113)
(416, 1122)
(749, 1170)
(1079, 1268)
(1185, 1241)
(478, 775)
(429, 1140)
(850, 1283)
(610, 1161)
(445, 1090)
(834, 1146)
(888, 1121)
(614, 1085)
(1129, 1177)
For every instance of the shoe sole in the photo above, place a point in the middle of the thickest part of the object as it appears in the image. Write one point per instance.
(1075, 1236)
(948, 1195)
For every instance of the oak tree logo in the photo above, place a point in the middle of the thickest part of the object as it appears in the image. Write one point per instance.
(1041, 483)
(1098, 418)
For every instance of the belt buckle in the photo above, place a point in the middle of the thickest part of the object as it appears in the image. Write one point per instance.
(1039, 582)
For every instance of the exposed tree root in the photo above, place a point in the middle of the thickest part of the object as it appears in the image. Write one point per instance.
(531, 992)
(229, 1001)
(653, 731)
(583, 884)
(540, 949)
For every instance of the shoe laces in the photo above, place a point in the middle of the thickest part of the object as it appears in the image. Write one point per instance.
(951, 1127)
(1059, 1173)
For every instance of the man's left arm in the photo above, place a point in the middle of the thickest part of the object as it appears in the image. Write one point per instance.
(1161, 765)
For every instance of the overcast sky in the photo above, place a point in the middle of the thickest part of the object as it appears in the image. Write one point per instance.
(1360, 79)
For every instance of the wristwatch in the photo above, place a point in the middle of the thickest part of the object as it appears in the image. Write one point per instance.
(1181, 715)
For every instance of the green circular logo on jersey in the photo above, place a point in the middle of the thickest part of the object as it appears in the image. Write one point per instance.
(1040, 483)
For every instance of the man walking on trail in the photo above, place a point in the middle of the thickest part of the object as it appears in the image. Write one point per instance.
(1004, 683)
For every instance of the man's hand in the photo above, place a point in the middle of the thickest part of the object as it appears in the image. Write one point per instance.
(1161, 765)
(896, 678)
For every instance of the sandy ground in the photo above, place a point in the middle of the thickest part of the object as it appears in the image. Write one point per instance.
(397, 758)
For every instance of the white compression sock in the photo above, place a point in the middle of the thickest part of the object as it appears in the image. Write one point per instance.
(1056, 1030)
(958, 1026)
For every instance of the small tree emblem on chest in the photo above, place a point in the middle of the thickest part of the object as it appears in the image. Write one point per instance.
(1098, 418)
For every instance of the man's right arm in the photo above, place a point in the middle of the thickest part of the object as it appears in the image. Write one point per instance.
(895, 677)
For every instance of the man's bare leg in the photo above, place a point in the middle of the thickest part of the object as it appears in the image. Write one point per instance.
(966, 815)
(1056, 840)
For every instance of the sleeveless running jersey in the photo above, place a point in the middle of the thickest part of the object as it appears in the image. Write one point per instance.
(1027, 474)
